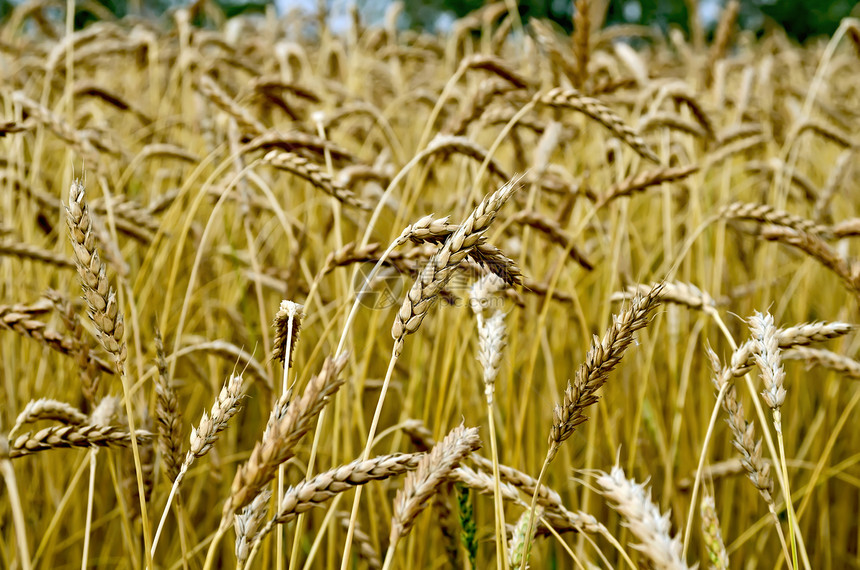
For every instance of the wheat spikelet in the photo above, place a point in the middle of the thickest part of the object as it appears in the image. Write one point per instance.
(768, 359)
(733, 148)
(248, 524)
(774, 166)
(722, 36)
(671, 121)
(476, 105)
(163, 150)
(366, 549)
(491, 341)
(738, 132)
(768, 214)
(228, 351)
(298, 141)
(448, 523)
(224, 102)
(213, 422)
(825, 131)
(676, 292)
(60, 128)
(447, 144)
(743, 431)
(834, 181)
(826, 359)
(131, 218)
(644, 180)
(468, 526)
(495, 65)
(553, 230)
(101, 298)
(28, 251)
(846, 269)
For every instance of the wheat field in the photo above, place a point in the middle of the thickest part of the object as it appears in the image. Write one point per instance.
(273, 296)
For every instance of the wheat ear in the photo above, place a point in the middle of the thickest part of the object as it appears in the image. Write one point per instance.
(433, 470)
(103, 310)
(203, 437)
(713, 535)
(288, 323)
(169, 419)
(491, 339)
(643, 518)
(603, 356)
(769, 362)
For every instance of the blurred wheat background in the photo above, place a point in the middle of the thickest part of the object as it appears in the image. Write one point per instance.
(274, 295)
